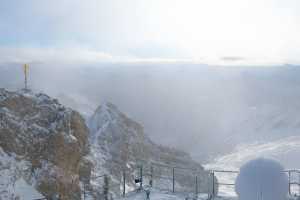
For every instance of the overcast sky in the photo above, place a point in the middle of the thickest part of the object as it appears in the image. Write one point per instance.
(205, 31)
(97, 33)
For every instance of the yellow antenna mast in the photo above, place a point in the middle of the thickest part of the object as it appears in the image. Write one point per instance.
(26, 71)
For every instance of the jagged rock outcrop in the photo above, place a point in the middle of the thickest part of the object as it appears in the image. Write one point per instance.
(122, 144)
(47, 148)
(48, 139)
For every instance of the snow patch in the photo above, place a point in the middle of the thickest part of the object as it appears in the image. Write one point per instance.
(25, 191)
(283, 150)
(12, 184)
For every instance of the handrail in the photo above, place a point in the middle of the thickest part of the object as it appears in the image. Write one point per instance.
(225, 171)
(171, 177)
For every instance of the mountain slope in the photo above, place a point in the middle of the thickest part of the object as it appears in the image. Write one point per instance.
(42, 144)
(122, 145)
(46, 150)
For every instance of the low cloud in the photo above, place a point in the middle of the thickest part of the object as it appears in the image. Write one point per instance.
(74, 55)
(84, 55)
(232, 58)
(60, 55)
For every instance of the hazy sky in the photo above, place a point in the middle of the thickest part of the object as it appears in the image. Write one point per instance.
(205, 31)
(201, 109)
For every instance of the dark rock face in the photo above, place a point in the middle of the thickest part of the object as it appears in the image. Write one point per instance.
(52, 138)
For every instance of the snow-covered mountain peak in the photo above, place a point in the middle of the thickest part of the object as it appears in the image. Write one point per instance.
(52, 142)
(108, 117)
(104, 114)
(107, 111)
(118, 142)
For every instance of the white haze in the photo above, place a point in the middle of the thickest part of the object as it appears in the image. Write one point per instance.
(202, 109)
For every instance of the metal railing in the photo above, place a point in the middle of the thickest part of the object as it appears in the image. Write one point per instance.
(293, 180)
(221, 184)
(176, 180)
(106, 188)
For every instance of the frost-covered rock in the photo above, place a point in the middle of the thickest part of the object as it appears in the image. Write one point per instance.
(48, 139)
(45, 150)
(118, 143)
(12, 174)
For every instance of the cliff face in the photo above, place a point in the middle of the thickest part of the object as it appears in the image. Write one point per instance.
(48, 139)
(48, 149)
(124, 146)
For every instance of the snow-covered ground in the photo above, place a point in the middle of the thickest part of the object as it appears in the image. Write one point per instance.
(283, 150)
(286, 151)
(12, 185)
(163, 195)
(25, 191)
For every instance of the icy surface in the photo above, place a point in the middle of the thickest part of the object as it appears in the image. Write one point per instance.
(283, 150)
(162, 195)
(12, 184)
(25, 191)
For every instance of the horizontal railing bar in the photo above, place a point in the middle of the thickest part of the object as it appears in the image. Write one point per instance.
(225, 171)
(294, 183)
(175, 167)
(100, 176)
(225, 183)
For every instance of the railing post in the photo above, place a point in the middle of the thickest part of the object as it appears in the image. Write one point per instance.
(106, 187)
(151, 176)
(299, 183)
(84, 191)
(196, 191)
(173, 179)
(124, 183)
(289, 177)
(213, 184)
(141, 177)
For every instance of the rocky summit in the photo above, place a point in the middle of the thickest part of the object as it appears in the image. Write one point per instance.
(49, 151)
(119, 144)
(42, 143)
